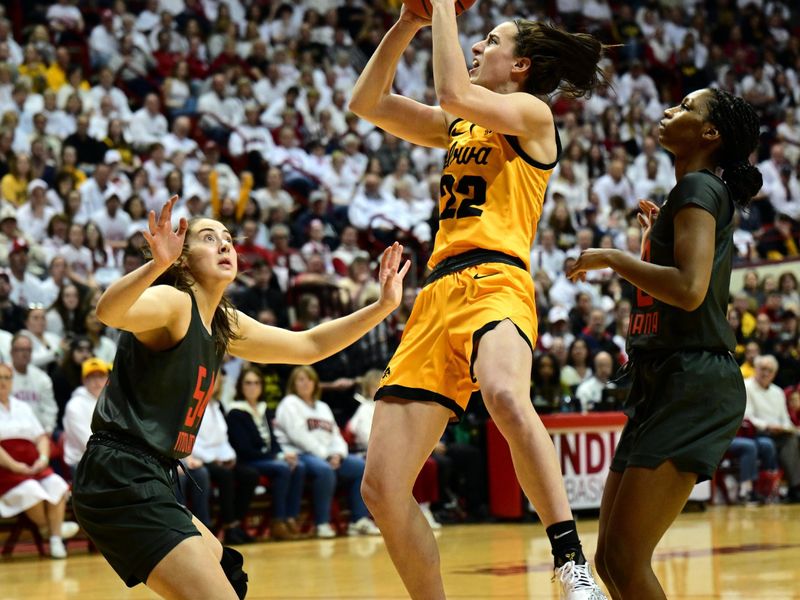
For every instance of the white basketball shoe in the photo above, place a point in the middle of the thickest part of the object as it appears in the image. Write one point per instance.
(577, 582)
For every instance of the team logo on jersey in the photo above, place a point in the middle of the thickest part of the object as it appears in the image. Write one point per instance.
(464, 155)
(386, 372)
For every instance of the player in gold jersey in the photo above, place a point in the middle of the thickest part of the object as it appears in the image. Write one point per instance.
(474, 322)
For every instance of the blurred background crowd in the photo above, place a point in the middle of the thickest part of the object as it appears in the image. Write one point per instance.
(240, 107)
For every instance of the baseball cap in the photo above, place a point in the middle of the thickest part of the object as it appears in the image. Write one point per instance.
(37, 184)
(94, 365)
(18, 245)
(112, 156)
(558, 313)
(7, 212)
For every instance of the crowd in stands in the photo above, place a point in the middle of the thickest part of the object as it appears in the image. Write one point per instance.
(240, 107)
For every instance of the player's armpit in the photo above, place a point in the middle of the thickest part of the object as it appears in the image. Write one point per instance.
(412, 121)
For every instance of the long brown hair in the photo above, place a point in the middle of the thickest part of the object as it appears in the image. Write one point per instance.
(180, 277)
(559, 60)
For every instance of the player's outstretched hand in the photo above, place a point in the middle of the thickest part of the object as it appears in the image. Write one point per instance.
(390, 278)
(592, 259)
(648, 213)
(165, 243)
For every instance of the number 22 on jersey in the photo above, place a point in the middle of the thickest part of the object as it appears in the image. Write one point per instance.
(462, 197)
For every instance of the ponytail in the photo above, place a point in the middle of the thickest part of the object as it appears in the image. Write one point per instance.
(559, 60)
(744, 180)
(739, 128)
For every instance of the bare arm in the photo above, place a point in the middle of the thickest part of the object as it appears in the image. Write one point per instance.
(518, 113)
(685, 285)
(130, 303)
(374, 101)
(264, 344)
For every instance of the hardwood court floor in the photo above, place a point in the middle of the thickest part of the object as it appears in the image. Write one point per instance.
(729, 553)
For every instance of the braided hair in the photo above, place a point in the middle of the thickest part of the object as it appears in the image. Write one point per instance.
(559, 60)
(738, 125)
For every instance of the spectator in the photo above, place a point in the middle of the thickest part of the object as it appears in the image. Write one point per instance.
(27, 483)
(148, 126)
(273, 195)
(67, 374)
(14, 184)
(56, 237)
(548, 394)
(80, 408)
(252, 436)
(235, 482)
(766, 410)
(546, 255)
(103, 347)
(80, 262)
(590, 391)
(31, 384)
(578, 368)
(35, 214)
(347, 250)
(47, 346)
(306, 424)
(26, 288)
(102, 40)
(595, 334)
(12, 315)
(265, 293)
(65, 317)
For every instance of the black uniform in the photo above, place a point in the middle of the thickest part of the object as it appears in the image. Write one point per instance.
(146, 418)
(687, 398)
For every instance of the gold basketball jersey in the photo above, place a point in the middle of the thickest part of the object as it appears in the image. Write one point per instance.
(491, 194)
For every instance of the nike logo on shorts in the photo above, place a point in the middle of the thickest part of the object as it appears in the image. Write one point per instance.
(479, 276)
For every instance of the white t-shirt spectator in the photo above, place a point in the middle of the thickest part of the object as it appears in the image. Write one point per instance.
(145, 129)
(78, 424)
(212, 442)
(36, 389)
(765, 407)
(308, 429)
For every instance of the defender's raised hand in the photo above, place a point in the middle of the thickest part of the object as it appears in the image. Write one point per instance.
(165, 243)
(647, 218)
(390, 278)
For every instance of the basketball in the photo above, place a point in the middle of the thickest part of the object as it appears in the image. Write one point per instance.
(424, 9)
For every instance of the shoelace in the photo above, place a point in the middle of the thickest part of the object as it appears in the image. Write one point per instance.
(577, 576)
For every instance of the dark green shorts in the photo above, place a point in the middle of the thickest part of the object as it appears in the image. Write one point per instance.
(685, 407)
(125, 502)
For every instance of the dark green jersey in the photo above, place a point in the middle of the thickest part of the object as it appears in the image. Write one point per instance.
(656, 325)
(160, 397)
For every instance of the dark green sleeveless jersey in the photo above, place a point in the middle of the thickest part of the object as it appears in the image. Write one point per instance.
(160, 397)
(655, 325)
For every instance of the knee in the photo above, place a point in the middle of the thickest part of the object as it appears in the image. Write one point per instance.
(376, 492)
(619, 560)
(504, 406)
